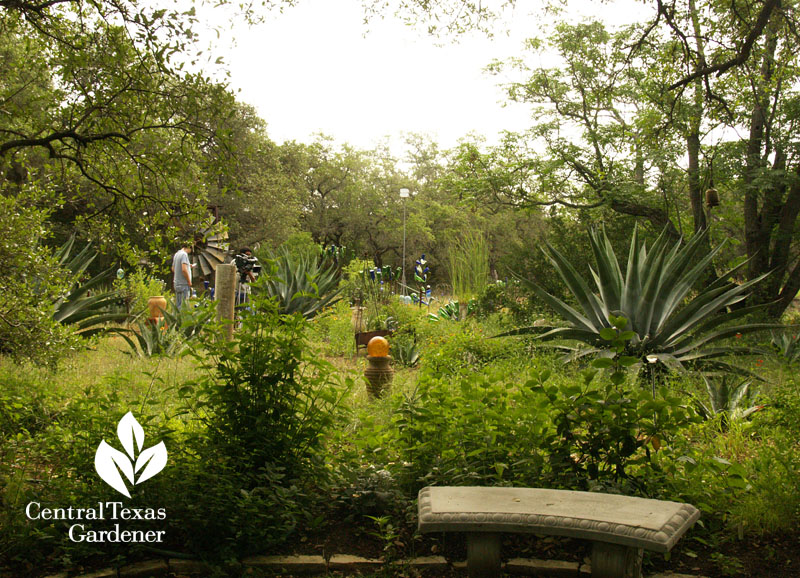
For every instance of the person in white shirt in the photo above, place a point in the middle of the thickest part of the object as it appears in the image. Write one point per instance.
(182, 275)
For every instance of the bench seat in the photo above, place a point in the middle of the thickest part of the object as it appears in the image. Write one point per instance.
(620, 527)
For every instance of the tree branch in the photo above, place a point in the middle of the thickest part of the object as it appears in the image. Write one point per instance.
(743, 54)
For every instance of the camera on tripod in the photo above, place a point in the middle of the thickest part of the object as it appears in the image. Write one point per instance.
(245, 264)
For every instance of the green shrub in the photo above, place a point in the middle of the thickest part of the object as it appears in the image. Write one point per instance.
(31, 281)
(333, 330)
(264, 406)
(136, 288)
(772, 500)
(509, 298)
(450, 348)
(602, 432)
(475, 431)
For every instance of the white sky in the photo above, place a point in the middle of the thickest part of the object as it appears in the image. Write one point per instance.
(317, 68)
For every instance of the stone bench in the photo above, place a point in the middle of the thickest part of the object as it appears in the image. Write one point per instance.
(619, 527)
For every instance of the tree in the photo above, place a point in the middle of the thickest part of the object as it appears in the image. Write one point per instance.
(31, 281)
(94, 104)
(634, 121)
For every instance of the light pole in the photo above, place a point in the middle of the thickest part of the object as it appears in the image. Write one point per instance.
(404, 194)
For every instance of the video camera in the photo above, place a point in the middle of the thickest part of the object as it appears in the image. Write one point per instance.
(247, 264)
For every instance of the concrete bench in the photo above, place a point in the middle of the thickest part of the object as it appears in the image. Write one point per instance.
(619, 527)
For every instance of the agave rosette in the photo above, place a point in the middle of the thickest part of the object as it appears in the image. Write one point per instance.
(668, 320)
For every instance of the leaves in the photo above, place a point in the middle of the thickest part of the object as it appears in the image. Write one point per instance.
(109, 462)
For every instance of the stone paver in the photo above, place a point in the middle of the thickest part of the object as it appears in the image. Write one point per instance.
(297, 564)
(183, 567)
(302, 564)
(671, 575)
(430, 563)
(104, 573)
(549, 568)
(151, 568)
(350, 563)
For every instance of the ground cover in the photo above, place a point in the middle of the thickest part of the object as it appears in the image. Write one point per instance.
(473, 410)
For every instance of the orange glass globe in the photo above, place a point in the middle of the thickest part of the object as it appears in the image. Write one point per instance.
(378, 347)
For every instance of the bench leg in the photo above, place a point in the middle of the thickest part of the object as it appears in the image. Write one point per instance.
(615, 561)
(483, 554)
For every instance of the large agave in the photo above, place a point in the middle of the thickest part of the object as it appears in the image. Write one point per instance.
(86, 306)
(669, 322)
(301, 284)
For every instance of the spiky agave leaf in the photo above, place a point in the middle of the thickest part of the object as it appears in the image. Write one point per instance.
(88, 313)
(654, 295)
(301, 284)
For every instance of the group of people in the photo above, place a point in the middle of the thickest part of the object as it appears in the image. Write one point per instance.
(182, 274)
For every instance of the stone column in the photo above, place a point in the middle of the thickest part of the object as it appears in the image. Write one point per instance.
(616, 561)
(225, 296)
(483, 554)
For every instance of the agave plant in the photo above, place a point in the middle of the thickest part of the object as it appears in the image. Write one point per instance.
(667, 321)
(451, 311)
(729, 399)
(406, 353)
(87, 306)
(787, 346)
(301, 284)
(171, 334)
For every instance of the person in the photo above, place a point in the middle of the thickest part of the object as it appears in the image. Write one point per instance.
(182, 275)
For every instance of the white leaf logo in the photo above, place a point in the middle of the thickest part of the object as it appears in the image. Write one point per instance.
(109, 462)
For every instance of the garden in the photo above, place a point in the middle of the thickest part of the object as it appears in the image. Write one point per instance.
(277, 445)
(601, 304)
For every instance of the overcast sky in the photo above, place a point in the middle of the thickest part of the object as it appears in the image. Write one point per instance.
(315, 68)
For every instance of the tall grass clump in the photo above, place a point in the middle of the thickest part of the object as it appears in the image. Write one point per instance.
(468, 265)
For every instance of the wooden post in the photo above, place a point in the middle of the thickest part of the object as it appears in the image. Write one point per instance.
(225, 296)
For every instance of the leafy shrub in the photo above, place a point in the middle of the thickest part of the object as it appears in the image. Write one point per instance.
(450, 348)
(31, 280)
(136, 288)
(772, 500)
(354, 279)
(476, 431)
(602, 431)
(265, 404)
(508, 297)
(333, 330)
